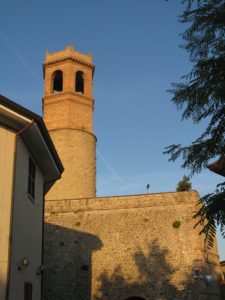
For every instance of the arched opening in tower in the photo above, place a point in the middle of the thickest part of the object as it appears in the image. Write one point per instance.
(79, 85)
(57, 81)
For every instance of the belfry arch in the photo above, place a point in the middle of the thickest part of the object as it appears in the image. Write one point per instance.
(57, 81)
(79, 82)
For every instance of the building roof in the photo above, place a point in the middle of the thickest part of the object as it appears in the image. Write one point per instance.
(36, 137)
(218, 166)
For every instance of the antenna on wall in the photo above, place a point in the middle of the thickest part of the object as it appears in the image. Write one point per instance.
(147, 188)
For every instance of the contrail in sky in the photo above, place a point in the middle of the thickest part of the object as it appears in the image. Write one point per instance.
(109, 166)
(19, 56)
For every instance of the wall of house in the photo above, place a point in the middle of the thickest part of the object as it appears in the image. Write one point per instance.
(7, 138)
(118, 247)
(26, 228)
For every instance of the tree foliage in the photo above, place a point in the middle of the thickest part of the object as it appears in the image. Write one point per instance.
(184, 184)
(200, 95)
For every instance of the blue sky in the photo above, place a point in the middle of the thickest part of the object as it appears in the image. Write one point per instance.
(135, 46)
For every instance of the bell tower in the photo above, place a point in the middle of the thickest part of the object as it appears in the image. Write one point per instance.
(68, 106)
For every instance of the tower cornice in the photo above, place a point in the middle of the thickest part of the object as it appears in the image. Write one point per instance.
(72, 94)
(77, 129)
(68, 58)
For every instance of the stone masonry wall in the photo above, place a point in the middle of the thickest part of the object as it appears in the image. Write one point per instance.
(76, 147)
(118, 247)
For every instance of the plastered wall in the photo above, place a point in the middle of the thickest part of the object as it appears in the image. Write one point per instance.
(26, 236)
(7, 138)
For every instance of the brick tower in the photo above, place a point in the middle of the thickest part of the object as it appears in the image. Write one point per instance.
(68, 114)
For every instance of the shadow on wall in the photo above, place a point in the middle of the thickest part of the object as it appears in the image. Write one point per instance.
(157, 280)
(68, 256)
(2, 287)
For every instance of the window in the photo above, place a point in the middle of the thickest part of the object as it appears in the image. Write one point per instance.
(79, 87)
(57, 81)
(31, 178)
(28, 291)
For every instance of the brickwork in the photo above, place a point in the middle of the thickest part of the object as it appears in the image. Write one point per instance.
(68, 116)
(68, 110)
(69, 62)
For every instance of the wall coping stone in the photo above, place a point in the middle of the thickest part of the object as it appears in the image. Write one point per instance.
(123, 202)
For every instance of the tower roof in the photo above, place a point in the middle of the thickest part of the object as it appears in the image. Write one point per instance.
(68, 54)
(218, 166)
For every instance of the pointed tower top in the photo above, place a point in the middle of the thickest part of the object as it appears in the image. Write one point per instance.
(70, 47)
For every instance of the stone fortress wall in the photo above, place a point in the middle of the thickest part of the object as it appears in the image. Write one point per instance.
(118, 247)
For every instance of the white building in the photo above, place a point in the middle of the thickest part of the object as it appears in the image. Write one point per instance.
(29, 166)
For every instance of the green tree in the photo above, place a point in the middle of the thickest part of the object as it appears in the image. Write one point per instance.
(184, 184)
(201, 95)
